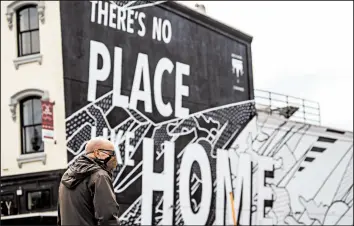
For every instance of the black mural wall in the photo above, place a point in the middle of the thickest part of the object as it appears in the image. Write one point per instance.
(208, 53)
(162, 72)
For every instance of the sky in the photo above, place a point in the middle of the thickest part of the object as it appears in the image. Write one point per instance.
(302, 49)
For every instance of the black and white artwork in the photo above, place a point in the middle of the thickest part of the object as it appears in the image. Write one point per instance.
(175, 97)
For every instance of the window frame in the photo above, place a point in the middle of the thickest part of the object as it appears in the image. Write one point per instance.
(19, 33)
(41, 190)
(23, 139)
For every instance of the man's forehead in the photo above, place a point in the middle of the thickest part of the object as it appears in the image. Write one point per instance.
(99, 143)
(106, 145)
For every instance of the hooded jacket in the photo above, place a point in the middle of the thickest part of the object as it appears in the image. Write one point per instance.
(86, 195)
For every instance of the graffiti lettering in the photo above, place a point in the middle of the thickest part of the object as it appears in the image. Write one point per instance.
(129, 149)
(141, 74)
(237, 184)
(195, 153)
(238, 188)
(157, 182)
(108, 14)
(161, 28)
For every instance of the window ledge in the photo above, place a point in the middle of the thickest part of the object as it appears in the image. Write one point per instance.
(28, 59)
(34, 157)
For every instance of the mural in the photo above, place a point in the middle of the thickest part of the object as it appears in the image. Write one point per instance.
(174, 97)
(310, 172)
(314, 183)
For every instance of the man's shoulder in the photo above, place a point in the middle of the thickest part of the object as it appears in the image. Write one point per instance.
(101, 173)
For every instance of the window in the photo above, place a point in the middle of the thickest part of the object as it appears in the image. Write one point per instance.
(38, 200)
(28, 30)
(31, 125)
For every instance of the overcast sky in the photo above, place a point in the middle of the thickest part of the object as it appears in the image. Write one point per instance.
(304, 49)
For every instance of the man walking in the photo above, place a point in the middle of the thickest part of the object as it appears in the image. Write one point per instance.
(86, 195)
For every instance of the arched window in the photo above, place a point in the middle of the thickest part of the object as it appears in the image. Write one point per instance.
(31, 125)
(28, 30)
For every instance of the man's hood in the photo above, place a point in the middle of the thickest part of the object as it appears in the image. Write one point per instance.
(78, 171)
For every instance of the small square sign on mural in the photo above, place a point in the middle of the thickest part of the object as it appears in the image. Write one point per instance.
(47, 121)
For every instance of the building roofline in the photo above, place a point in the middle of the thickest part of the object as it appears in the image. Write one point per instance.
(206, 20)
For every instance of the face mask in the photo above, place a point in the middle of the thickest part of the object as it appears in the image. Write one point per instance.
(103, 161)
(106, 160)
(112, 163)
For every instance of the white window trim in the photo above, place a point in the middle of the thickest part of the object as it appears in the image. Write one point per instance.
(33, 157)
(28, 59)
(17, 97)
(15, 5)
(11, 11)
(14, 100)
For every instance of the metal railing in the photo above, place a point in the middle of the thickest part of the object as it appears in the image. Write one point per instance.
(290, 107)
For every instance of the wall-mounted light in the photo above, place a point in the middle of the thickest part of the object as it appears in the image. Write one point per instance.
(19, 191)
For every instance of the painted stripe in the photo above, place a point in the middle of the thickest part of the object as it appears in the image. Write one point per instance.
(334, 131)
(326, 139)
(317, 149)
(309, 159)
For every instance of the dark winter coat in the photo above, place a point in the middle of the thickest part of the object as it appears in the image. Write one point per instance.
(86, 195)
